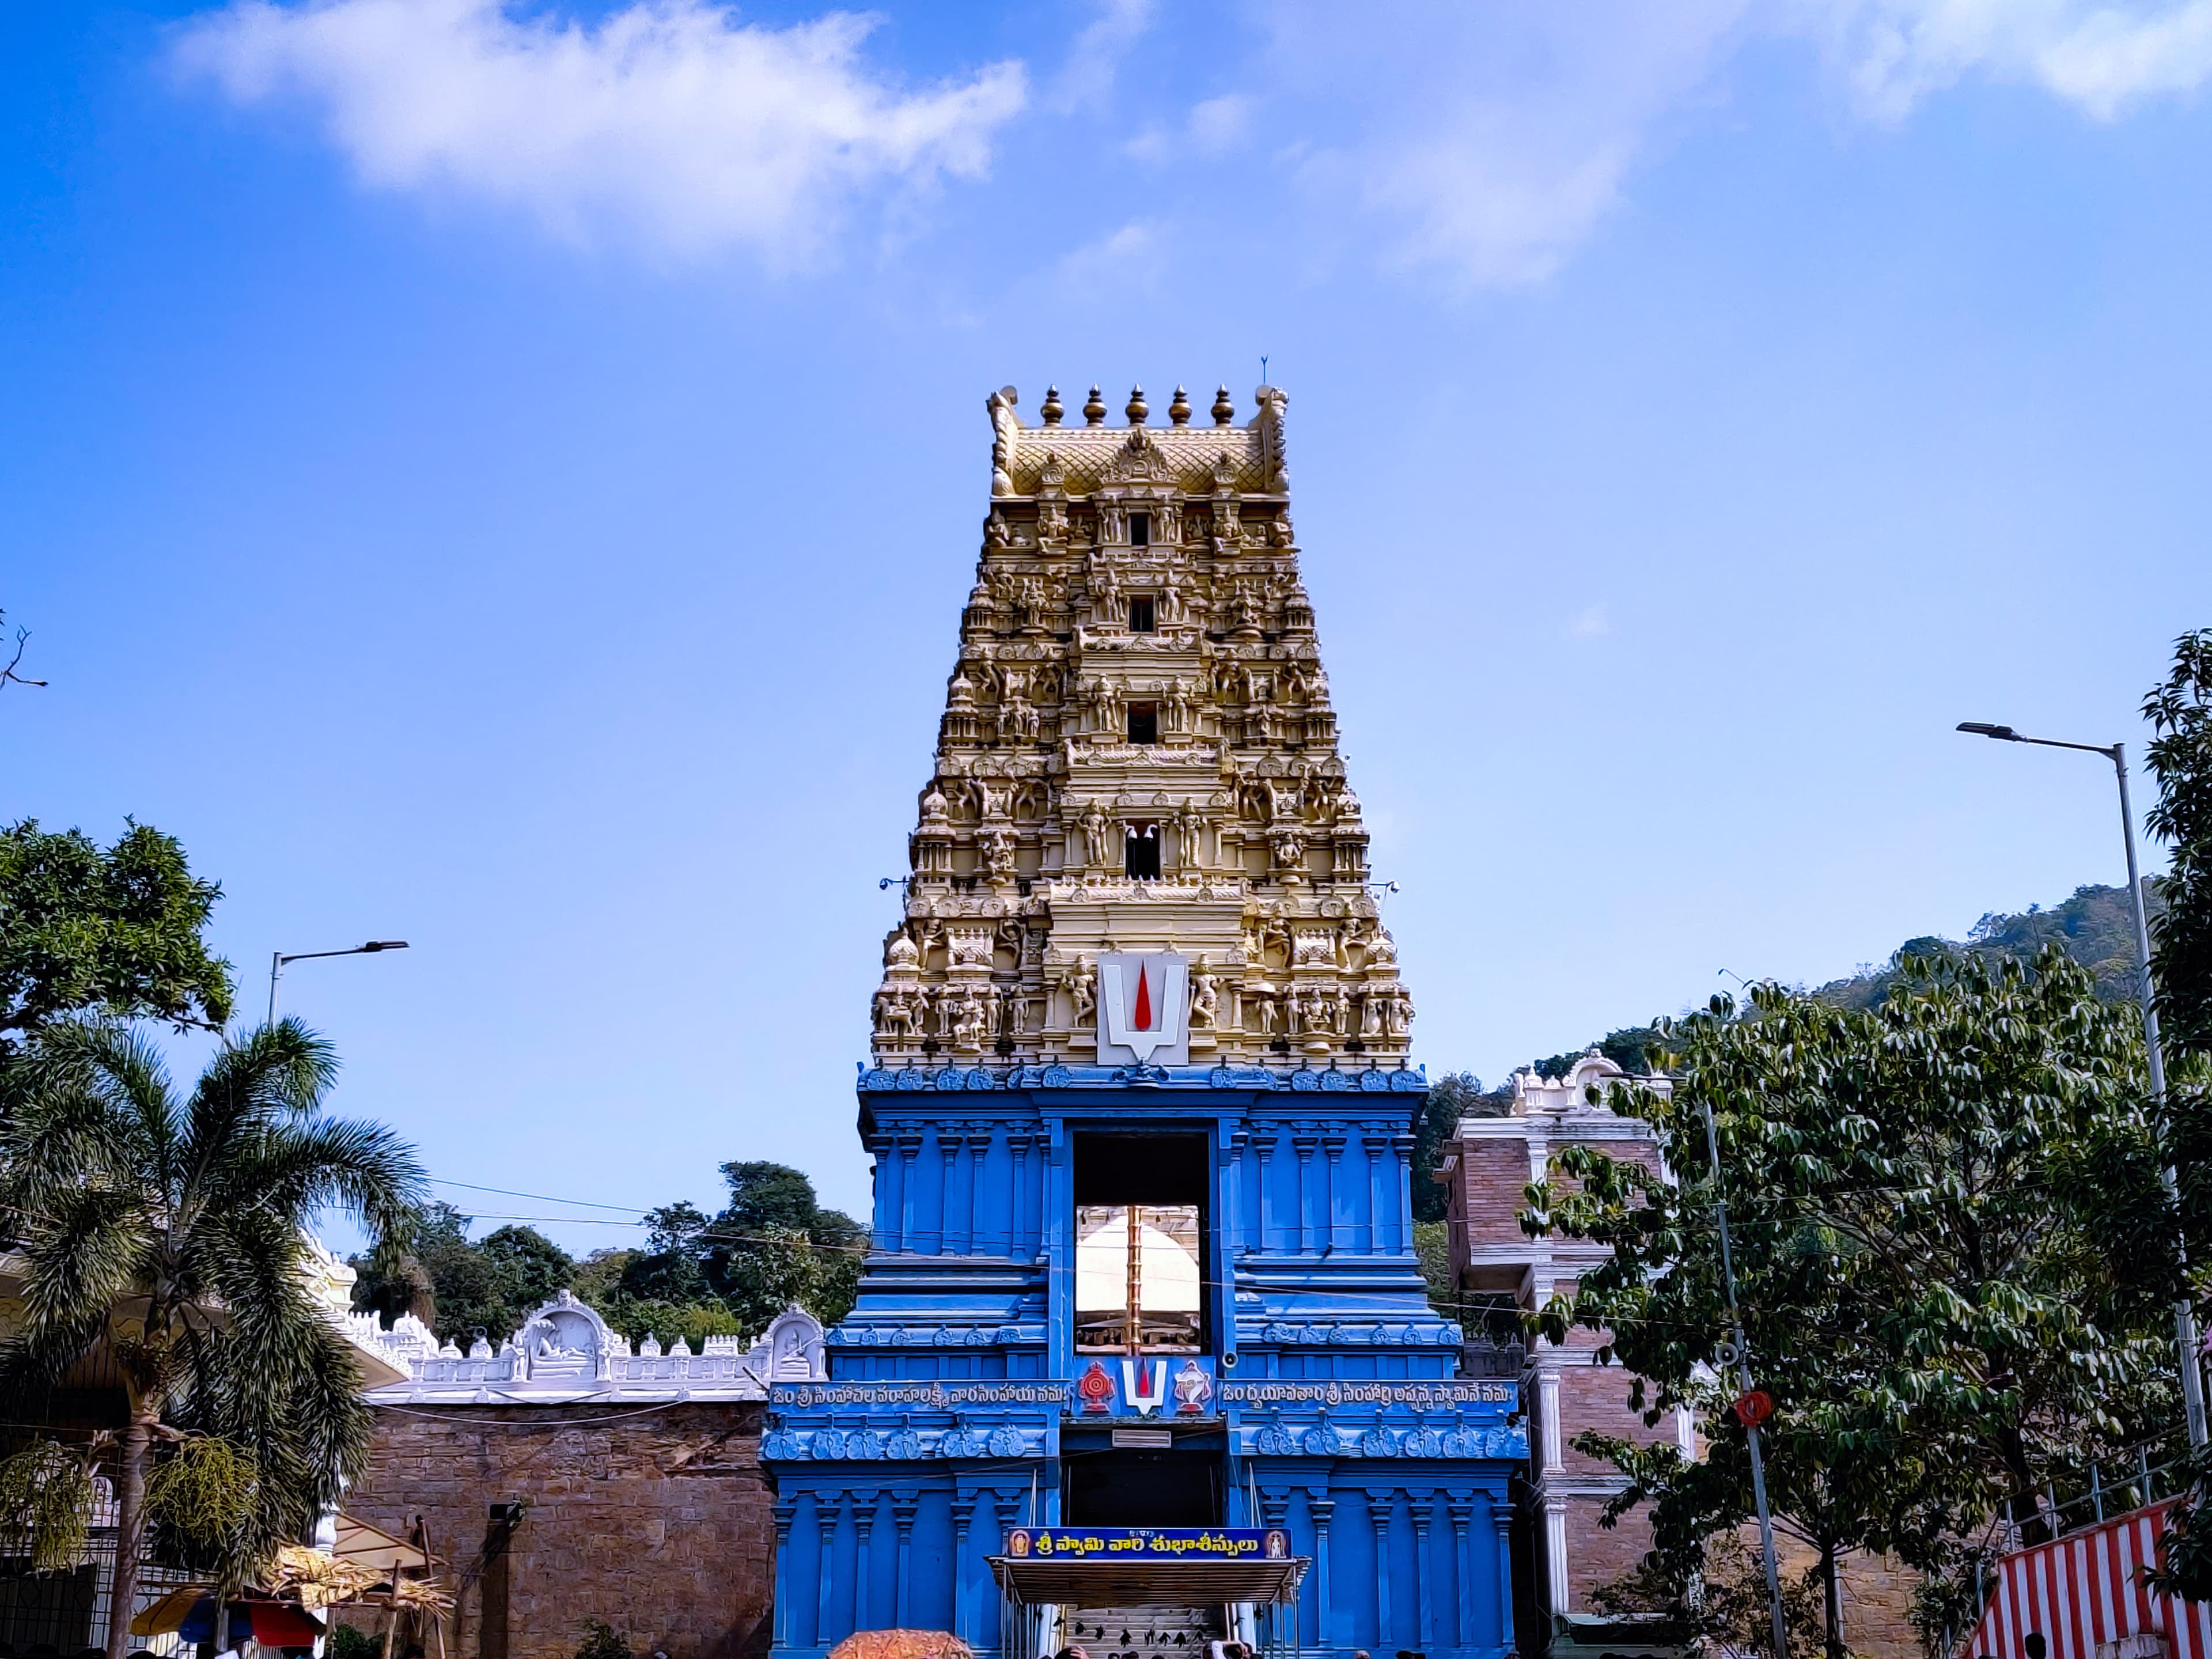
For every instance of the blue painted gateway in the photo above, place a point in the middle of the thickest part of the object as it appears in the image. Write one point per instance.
(1141, 1111)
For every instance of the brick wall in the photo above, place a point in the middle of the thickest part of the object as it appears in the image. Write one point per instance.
(1490, 1178)
(1595, 1398)
(1877, 1594)
(659, 1523)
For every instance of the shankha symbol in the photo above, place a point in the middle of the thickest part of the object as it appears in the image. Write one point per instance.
(1143, 999)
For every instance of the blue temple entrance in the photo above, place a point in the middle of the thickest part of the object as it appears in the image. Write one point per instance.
(1140, 1101)
(1321, 1400)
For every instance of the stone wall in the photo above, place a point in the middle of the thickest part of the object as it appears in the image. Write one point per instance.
(659, 1522)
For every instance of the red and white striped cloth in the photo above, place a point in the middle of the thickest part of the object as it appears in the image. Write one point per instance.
(2085, 1590)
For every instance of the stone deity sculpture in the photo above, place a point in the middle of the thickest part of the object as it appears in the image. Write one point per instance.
(1204, 998)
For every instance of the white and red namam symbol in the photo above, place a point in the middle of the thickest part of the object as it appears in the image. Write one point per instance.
(1143, 999)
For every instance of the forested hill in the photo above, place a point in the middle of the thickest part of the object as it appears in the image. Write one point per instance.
(2095, 926)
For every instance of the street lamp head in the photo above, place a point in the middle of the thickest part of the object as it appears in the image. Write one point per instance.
(1983, 729)
(386, 945)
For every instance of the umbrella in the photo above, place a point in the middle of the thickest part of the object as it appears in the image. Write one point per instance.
(191, 1615)
(171, 1612)
(283, 1625)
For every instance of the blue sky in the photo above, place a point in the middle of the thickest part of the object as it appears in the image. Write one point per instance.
(505, 477)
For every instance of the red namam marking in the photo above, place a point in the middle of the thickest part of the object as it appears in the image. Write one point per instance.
(1141, 1020)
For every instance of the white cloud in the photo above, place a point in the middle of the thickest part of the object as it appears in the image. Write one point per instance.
(1094, 58)
(2104, 58)
(1593, 623)
(669, 123)
(1486, 141)
(1129, 258)
(1213, 129)
(1220, 125)
(1492, 140)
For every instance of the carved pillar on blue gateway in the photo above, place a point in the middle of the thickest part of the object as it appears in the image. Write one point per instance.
(1291, 1375)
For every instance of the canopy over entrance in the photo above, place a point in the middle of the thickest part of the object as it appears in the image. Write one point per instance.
(1125, 1567)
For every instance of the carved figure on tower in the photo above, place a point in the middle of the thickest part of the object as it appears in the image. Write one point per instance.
(1137, 756)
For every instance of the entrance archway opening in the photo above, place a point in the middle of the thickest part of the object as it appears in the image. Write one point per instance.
(1126, 1488)
(1140, 1243)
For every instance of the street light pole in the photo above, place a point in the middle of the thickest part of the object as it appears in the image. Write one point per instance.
(1741, 1356)
(278, 958)
(2185, 1317)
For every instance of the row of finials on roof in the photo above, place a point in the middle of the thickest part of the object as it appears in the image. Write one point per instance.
(1136, 410)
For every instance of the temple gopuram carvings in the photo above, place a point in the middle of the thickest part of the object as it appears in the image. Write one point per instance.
(1138, 752)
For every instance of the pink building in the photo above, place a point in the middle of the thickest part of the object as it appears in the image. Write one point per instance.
(1564, 1390)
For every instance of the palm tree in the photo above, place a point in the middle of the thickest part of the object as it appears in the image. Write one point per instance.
(169, 1233)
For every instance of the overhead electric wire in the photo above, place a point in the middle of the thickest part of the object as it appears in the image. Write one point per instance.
(542, 1198)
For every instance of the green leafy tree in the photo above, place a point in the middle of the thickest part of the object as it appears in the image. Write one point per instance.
(1726, 1611)
(1492, 1315)
(1630, 1049)
(773, 1271)
(598, 1273)
(2096, 926)
(602, 1641)
(765, 1195)
(1947, 1218)
(168, 1232)
(116, 932)
(1450, 1099)
(530, 1269)
(841, 1249)
(665, 1322)
(670, 1268)
(2180, 711)
(774, 1245)
(661, 1291)
(458, 1286)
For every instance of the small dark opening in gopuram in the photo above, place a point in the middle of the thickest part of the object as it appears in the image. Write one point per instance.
(1121, 1488)
(1141, 851)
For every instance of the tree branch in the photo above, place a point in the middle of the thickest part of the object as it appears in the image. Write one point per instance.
(8, 675)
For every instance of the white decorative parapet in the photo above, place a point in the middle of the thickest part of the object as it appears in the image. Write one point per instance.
(565, 1352)
(384, 1355)
(392, 1348)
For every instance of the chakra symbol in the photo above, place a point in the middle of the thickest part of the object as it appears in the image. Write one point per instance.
(1095, 1387)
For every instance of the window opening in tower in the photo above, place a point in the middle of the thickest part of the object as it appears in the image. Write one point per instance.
(1140, 1243)
(1140, 613)
(1144, 722)
(1141, 852)
(1140, 530)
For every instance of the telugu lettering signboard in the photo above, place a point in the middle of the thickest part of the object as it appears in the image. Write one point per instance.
(1421, 1397)
(1148, 1544)
(1184, 1388)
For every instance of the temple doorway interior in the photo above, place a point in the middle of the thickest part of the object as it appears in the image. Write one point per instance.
(1120, 1487)
(1149, 1631)
(1140, 1232)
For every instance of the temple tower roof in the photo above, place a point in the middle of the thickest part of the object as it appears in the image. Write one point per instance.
(1137, 753)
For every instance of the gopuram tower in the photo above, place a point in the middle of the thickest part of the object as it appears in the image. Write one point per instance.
(1142, 1356)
